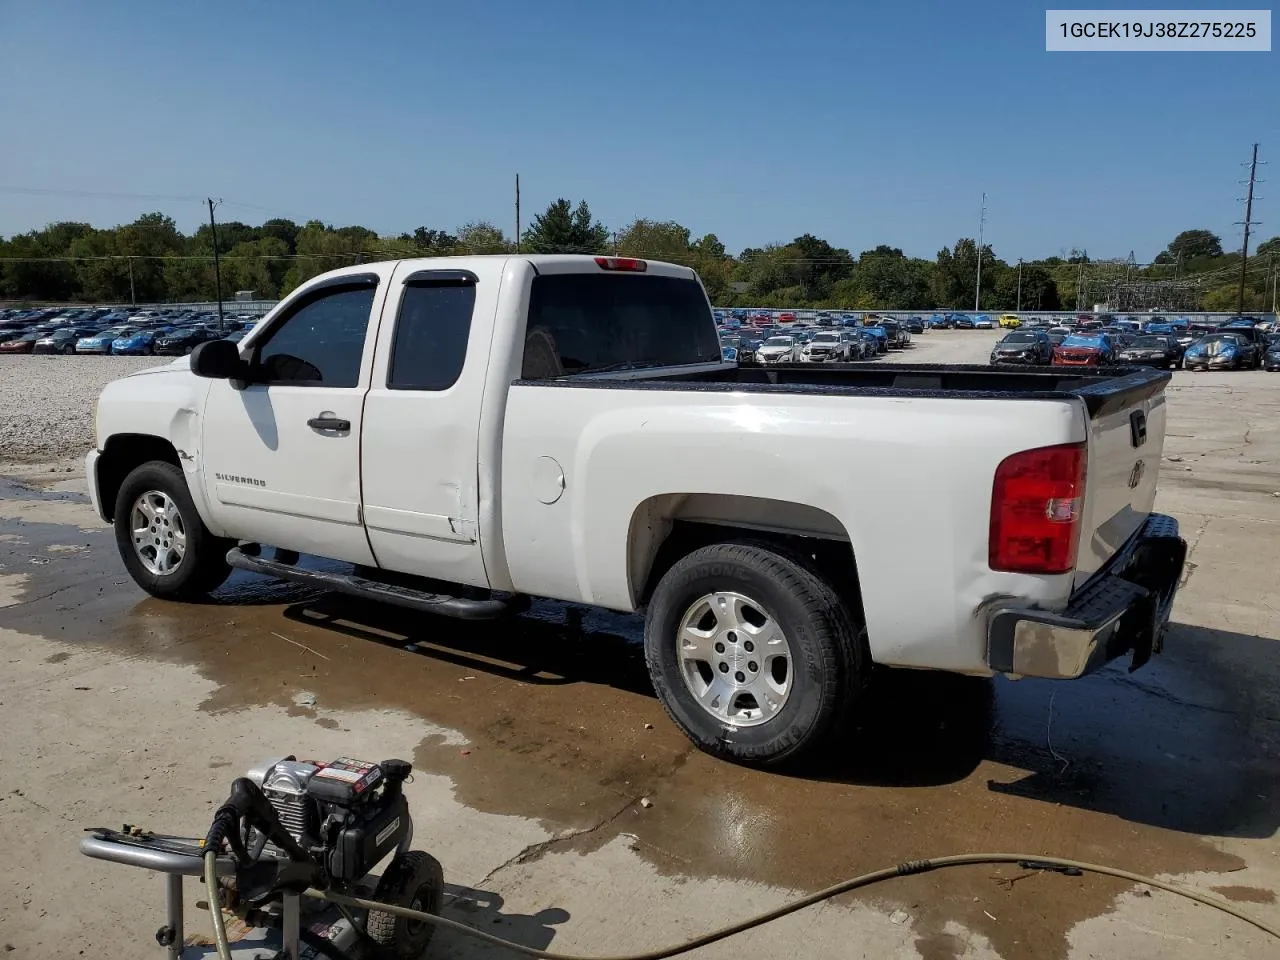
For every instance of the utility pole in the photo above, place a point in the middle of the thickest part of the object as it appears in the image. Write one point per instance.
(517, 213)
(1248, 222)
(217, 268)
(1019, 307)
(982, 222)
(133, 297)
(615, 243)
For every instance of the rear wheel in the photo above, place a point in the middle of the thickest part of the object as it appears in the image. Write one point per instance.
(165, 545)
(68, 350)
(752, 654)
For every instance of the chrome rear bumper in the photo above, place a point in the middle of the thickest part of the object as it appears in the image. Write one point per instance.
(1124, 608)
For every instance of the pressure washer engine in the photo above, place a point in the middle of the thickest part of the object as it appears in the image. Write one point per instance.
(293, 825)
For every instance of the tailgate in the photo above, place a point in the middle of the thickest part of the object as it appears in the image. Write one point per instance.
(1126, 441)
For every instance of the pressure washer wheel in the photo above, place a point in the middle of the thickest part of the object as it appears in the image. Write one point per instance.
(415, 880)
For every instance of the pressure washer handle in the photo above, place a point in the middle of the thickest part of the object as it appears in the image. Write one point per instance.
(247, 801)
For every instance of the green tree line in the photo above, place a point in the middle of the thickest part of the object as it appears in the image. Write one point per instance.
(150, 260)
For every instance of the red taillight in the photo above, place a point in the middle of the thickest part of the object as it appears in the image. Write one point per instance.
(622, 263)
(1036, 502)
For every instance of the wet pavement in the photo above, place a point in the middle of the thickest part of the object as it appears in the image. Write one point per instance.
(549, 719)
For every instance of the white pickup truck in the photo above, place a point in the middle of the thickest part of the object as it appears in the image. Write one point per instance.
(466, 433)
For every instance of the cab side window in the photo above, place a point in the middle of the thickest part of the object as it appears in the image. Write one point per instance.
(432, 328)
(321, 342)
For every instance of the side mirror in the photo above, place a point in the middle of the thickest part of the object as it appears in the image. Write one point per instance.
(218, 360)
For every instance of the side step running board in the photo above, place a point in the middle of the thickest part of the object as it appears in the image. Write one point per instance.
(441, 604)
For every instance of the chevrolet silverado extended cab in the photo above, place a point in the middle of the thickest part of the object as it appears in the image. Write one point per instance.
(465, 433)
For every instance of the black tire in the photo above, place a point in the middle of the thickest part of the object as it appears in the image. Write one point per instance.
(203, 567)
(828, 651)
(68, 350)
(414, 879)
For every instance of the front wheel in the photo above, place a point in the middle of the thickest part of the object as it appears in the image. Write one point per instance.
(165, 545)
(752, 654)
(68, 350)
(414, 880)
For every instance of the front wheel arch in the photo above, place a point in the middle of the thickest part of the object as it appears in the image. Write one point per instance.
(122, 453)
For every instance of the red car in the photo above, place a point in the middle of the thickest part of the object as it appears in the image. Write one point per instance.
(1084, 350)
(23, 343)
(786, 318)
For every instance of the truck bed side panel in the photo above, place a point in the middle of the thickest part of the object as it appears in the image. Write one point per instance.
(909, 480)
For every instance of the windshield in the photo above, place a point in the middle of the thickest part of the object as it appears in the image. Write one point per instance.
(1075, 340)
(1151, 342)
(1218, 342)
(826, 338)
(1020, 338)
(779, 342)
(579, 322)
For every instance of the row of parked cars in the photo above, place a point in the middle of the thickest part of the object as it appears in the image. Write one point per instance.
(102, 330)
(1240, 343)
(872, 337)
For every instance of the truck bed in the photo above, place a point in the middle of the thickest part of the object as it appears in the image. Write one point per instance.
(1102, 391)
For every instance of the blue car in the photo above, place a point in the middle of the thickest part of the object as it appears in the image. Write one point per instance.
(882, 338)
(729, 354)
(101, 341)
(138, 343)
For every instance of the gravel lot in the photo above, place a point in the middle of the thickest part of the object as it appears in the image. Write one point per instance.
(47, 404)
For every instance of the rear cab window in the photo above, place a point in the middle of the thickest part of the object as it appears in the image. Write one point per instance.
(595, 323)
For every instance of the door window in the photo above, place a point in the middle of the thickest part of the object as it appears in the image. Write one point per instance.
(321, 342)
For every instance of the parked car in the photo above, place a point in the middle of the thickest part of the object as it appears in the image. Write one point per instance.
(182, 340)
(882, 337)
(899, 336)
(1084, 350)
(1057, 334)
(484, 441)
(62, 340)
(1010, 321)
(1151, 350)
(864, 344)
(138, 343)
(779, 350)
(941, 321)
(961, 321)
(787, 317)
(1270, 359)
(826, 346)
(1221, 351)
(23, 343)
(1028, 347)
(101, 341)
(915, 325)
(983, 322)
(743, 346)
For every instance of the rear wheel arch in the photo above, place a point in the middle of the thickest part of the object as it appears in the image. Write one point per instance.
(666, 528)
(123, 453)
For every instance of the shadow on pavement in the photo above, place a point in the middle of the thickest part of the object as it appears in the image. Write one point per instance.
(482, 909)
(1189, 743)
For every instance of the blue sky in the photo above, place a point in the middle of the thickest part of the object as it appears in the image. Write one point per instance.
(861, 123)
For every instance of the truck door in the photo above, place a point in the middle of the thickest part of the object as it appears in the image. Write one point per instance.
(281, 457)
(422, 422)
